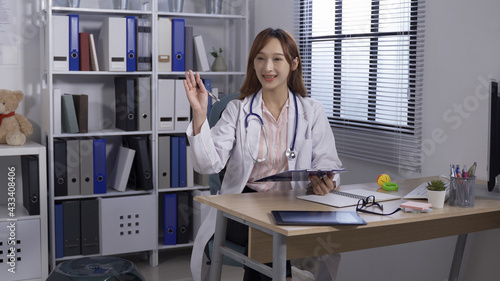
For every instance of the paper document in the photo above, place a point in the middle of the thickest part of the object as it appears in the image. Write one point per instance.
(347, 198)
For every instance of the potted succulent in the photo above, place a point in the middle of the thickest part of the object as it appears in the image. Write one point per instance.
(219, 63)
(436, 193)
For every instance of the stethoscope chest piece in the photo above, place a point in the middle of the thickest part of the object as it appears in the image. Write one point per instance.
(290, 154)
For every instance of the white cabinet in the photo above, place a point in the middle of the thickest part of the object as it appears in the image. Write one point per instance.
(23, 213)
(228, 30)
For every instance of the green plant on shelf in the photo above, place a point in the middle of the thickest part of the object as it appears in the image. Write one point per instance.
(215, 53)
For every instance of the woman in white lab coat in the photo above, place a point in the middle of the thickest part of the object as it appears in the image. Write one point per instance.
(295, 132)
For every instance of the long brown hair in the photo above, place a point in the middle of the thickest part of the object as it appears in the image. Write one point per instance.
(291, 51)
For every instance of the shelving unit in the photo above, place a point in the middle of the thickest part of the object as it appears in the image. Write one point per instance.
(26, 234)
(228, 30)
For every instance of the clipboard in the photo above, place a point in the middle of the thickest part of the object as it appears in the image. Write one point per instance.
(299, 175)
(317, 218)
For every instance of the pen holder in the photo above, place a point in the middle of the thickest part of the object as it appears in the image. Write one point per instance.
(462, 191)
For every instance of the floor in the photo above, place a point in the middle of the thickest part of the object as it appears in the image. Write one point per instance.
(174, 266)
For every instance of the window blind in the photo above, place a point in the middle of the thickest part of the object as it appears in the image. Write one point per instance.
(363, 59)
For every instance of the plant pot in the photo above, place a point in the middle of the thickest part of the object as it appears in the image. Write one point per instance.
(436, 198)
(219, 64)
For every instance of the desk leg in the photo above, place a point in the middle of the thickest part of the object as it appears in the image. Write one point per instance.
(279, 257)
(457, 257)
(219, 238)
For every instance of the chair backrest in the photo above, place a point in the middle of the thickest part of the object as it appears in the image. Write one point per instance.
(214, 180)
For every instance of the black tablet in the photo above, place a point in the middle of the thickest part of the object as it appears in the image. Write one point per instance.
(317, 218)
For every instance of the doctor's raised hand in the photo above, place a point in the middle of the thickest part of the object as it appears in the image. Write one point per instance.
(198, 99)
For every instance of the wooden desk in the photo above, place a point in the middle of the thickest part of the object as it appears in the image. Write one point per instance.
(290, 242)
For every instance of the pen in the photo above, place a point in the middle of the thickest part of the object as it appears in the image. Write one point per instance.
(472, 170)
(209, 93)
(213, 96)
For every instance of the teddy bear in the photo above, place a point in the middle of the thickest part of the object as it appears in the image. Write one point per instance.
(14, 128)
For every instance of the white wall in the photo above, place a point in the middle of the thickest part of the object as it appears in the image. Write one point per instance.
(275, 14)
(461, 52)
(20, 57)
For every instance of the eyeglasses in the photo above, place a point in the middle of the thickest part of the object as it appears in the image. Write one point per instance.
(370, 202)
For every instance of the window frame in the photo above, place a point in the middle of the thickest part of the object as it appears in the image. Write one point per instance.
(413, 106)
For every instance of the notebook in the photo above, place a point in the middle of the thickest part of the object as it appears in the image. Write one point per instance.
(347, 198)
(317, 218)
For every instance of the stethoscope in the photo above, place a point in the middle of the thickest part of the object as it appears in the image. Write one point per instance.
(290, 152)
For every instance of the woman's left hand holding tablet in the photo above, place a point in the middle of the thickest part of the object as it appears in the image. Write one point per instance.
(198, 99)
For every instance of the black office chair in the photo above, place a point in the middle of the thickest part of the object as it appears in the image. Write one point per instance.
(215, 180)
(96, 269)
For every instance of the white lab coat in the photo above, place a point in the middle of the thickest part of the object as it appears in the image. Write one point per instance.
(212, 148)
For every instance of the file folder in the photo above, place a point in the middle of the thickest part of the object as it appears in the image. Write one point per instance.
(201, 54)
(74, 43)
(144, 60)
(164, 44)
(60, 39)
(58, 221)
(208, 85)
(184, 225)
(174, 161)
(71, 228)
(182, 162)
(164, 161)
(81, 103)
(182, 108)
(31, 188)
(99, 166)
(143, 103)
(141, 175)
(86, 167)
(94, 62)
(131, 43)
(60, 168)
(189, 166)
(178, 47)
(188, 48)
(122, 167)
(111, 44)
(68, 114)
(170, 219)
(166, 104)
(89, 219)
(57, 111)
(73, 166)
(84, 51)
(125, 109)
